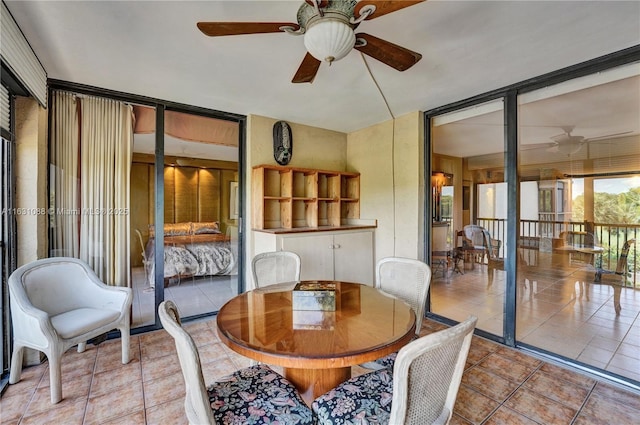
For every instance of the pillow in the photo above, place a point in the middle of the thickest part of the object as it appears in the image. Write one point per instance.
(206, 227)
(172, 229)
(177, 229)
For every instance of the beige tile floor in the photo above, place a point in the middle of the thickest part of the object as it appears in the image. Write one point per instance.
(194, 296)
(499, 386)
(559, 309)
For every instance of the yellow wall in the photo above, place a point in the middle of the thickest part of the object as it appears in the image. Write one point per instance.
(313, 147)
(389, 158)
(31, 180)
(384, 154)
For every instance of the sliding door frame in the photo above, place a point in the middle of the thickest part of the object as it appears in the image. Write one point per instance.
(161, 106)
(9, 249)
(509, 95)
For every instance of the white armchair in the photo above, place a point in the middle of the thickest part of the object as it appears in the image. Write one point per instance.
(57, 303)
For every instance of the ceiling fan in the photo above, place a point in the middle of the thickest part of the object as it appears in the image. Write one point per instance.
(328, 28)
(568, 144)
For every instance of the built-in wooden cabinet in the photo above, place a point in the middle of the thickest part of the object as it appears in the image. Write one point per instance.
(345, 255)
(316, 214)
(298, 198)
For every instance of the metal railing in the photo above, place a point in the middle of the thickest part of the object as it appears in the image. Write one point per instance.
(545, 235)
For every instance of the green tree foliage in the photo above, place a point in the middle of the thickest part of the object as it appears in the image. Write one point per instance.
(623, 208)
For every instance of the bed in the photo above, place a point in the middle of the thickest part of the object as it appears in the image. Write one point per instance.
(192, 249)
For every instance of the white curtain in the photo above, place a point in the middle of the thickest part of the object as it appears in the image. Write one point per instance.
(103, 167)
(64, 175)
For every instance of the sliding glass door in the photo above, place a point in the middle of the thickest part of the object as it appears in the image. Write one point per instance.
(154, 212)
(469, 204)
(547, 257)
(580, 170)
(200, 211)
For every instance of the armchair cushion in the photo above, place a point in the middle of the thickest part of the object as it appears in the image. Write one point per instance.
(77, 322)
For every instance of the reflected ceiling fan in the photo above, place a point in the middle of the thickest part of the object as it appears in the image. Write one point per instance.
(568, 144)
(328, 28)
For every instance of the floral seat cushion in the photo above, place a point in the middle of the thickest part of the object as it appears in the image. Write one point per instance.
(257, 395)
(385, 362)
(365, 399)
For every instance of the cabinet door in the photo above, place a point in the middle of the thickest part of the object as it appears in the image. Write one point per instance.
(316, 254)
(353, 257)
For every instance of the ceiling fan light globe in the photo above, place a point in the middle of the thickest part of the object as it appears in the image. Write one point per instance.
(329, 40)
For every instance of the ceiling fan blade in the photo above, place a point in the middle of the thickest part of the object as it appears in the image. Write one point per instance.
(388, 53)
(531, 146)
(307, 70)
(216, 29)
(383, 7)
(608, 136)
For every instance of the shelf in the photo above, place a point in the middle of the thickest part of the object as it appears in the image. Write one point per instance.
(301, 198)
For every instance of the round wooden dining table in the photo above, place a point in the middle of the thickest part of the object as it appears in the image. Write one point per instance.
(316, 349)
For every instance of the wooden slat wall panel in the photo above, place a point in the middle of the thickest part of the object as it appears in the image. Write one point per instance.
(208, 195)
(152, 194)
(169, 194)
(139, 210)
(186, 195)
(191, 194)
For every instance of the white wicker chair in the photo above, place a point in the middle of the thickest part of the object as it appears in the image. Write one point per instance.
(275, 267)
(408, 280)
(422, 388)
(254, 394)
(57, 303)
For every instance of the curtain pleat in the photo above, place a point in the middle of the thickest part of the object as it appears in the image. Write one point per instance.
(64, 175)
(106, 146)
(92, 143)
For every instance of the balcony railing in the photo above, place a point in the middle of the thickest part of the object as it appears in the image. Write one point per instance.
(544, 235)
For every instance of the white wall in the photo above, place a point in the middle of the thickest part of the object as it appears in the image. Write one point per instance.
(529, 201)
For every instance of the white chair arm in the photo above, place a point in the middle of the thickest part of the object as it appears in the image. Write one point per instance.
(31, 323)
(112, 297)
(108, 297)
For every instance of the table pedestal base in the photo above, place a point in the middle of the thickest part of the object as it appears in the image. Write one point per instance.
(312, 383)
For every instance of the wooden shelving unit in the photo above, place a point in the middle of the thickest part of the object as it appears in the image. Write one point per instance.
(303, 198)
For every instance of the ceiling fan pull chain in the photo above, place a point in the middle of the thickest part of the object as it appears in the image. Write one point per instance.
(365, 12)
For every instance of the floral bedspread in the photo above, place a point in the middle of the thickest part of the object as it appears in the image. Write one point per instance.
(197, 259)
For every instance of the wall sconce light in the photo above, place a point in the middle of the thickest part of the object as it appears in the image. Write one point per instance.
(438, 180)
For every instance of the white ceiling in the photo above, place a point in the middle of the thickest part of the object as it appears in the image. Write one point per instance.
(469, 47)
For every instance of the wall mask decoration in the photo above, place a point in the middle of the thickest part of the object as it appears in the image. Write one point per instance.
(282, 143)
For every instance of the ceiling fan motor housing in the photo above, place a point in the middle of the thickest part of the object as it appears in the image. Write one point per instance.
(333, 20)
